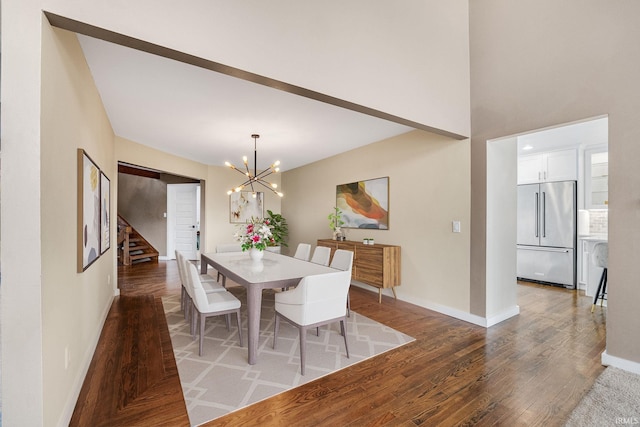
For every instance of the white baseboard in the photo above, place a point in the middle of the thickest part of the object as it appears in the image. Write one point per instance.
(448, 311)
(67, 413)
(165, 258)
(617, 362)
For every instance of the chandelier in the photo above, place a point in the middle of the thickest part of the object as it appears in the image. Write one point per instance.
(256, 178)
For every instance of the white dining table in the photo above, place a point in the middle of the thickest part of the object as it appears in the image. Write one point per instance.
(274, 271)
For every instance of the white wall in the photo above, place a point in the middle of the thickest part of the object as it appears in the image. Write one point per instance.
(410, 61)
(429, 188)
(502, 227)
(22, 346)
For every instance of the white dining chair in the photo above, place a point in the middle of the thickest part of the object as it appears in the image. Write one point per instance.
(317, 300)
(212, 304)
(343, 260)
(186, 297)
(321, 255)
(227, 247)
(303, 251)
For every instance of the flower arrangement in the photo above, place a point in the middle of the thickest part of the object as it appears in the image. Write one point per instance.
(255, 234)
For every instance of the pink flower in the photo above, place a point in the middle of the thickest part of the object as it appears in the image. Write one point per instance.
(249, 228)
(255, 238)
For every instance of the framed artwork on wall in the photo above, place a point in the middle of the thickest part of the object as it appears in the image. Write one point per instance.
(88, 211)
(105, 217)
(243, 206)
(364, 204)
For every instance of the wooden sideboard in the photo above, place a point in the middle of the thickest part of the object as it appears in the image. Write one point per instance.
(376, 265)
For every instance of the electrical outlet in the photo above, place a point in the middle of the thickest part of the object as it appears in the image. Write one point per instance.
(456, 226)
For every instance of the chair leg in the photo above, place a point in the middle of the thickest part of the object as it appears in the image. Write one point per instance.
(303, 347)
(604, 286)
(239, 327)
(276, 326)
(603, 279)
(202, 322)
(344, 334)
(227, 318)
(348, 305)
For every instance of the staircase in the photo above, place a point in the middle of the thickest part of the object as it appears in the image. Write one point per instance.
(132, 247)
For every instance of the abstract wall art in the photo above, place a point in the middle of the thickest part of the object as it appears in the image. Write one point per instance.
(105, 205)
(243, 206)
(88, 211)
(364, 204)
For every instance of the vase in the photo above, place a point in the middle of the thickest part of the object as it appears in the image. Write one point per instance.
(256, 254)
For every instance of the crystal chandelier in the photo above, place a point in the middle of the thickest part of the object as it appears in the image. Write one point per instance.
(256, 178)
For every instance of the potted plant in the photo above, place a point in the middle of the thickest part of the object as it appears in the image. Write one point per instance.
(335, 222)
(279, 229)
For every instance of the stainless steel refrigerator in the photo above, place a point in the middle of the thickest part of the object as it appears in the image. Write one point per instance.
(547, 233)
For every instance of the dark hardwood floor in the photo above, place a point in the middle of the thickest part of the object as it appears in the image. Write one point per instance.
(529, 370)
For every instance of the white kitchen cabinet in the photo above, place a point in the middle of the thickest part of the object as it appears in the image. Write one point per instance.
(596, 174)
(561, 165)
(583, 263)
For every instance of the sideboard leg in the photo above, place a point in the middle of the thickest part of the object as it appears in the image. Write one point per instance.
(393, 288)
(379, 295)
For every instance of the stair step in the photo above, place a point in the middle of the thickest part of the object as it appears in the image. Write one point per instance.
(143, 255)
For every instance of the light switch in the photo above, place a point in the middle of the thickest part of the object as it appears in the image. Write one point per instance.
(456, 226)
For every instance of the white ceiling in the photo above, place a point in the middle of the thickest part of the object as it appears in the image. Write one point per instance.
(582, 134)
(209, 117)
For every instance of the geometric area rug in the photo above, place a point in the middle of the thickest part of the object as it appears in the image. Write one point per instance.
(221, 381)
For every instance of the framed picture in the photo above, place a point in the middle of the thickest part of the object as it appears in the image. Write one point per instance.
(243, 206)
(364, 204)
(88, 211)
(105, 217)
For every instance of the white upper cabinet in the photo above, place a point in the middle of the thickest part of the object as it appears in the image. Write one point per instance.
(561, 165)
(596, 178)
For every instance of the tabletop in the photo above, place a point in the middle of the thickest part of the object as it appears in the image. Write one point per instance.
(272, 268)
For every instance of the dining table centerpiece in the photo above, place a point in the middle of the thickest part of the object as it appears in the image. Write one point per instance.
(255, 236)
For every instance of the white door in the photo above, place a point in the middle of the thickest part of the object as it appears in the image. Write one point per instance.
(182, 219)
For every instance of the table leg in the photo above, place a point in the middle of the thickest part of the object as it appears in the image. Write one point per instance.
(254, 304)
(203, 265)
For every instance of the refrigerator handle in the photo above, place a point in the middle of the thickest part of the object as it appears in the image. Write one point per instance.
(537, 210)
(544, 214)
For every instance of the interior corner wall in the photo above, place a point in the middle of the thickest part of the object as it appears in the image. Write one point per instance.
(428, 189)
(50, 108)
(538, 63)
(410, 61)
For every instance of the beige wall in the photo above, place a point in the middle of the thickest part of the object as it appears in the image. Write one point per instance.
(74, 305)
(142, 202)
(429, 187)
(411, 62)
(540, 63)
(215, 224)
